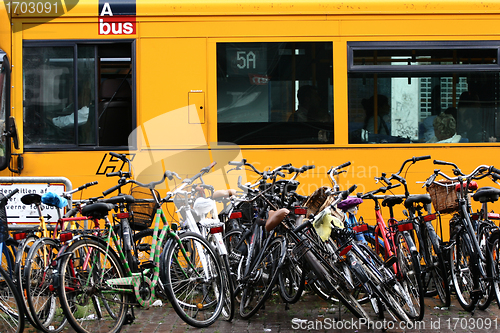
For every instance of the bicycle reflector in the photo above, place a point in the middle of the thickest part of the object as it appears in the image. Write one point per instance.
(216, 230)
(360, 228)
(300, 211)
(405, 226)
(66, 236)
(235, 215)
(122, 215)
(19, 235)
(430, 217)
(345, 250)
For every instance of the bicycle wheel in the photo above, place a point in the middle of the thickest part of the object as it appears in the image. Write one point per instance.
(486, 285)
(409, 275)
(333, 284)
(435, 270)
(291, 277)
(193, 280)
(8, 261)
(89, 303)
(261, 280)
(229, 300)
(21, 256)
(292, 280)
(11, 306)
(494, 248)
(461, 259)
(40, 274)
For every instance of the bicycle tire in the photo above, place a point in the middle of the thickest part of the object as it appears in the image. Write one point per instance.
(291, 277)
(86, 299)
(383, 284)
(229, 306)
(464, 280)
(486, 285)
(291, 280)
(409, 274)
(264, 275)
(11, 306)
(336, 288)
(436, 269)
(494, 267)
(21, 256)
(40, 276)
(192, 296)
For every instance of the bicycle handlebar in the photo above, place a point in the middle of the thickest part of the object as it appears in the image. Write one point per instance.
(9, 195)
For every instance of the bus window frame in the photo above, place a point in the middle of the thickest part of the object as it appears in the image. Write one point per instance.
(74, 43)
(5, 66)
(406, 45)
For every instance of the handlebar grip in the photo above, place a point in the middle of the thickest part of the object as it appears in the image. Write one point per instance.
(308, 167)
(281, 174)
(88, 185)
(422, 158)
(114, 174)
(352, 188)
(8, 196)
(119, 156)
(242, 162)
(293, 169)
(110, 190)
(390, 187)
(344, 165)
(440, 162)
(302, 226)
(495, 170)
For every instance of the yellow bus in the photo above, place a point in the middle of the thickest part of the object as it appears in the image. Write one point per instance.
(180, 83)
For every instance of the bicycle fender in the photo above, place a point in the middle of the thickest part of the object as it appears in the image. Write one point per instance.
(434, 237)
(162, 258)
(410, 242)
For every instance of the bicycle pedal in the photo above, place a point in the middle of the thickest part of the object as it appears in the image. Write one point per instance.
(390, 261)
(147, 264)
(476, 294)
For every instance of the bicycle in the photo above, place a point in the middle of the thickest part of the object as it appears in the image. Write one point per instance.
(11, 304)
(97, 286)
(469, 261)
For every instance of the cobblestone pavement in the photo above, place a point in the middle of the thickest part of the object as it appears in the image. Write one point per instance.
(311, 314)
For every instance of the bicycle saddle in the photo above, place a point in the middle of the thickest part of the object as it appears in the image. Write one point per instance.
(119, 199)
(486, 194)
(419, 198)
(391, 201)
(32, 198)
(275, 218)
(97, 210)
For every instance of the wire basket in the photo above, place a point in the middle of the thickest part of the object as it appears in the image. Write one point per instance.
(143, 209)
(444, 197)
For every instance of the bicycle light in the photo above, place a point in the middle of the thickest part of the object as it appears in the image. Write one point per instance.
(216, 230)
(66, 236)
(235, 215)
(19, 235)
(345, 250)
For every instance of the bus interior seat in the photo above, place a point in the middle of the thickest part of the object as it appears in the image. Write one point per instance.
(115, 113)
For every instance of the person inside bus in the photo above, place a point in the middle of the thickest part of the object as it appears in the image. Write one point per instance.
(468, 115)
(445, 128)
(383, 114)
(68, 120)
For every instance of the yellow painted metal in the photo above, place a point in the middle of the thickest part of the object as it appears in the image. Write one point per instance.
(176, 56)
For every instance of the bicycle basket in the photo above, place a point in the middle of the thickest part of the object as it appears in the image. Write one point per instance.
(444, 197)
(318, 201)
(143, 209)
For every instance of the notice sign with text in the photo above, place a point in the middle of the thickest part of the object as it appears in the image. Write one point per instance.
(19, 213)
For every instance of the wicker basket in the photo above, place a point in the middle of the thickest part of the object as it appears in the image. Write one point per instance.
(143, 209)
(319, 200)
(444, 197)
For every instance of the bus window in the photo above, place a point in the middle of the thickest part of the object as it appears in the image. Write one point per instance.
(275, 93)
(421, 92)
(77, 95)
